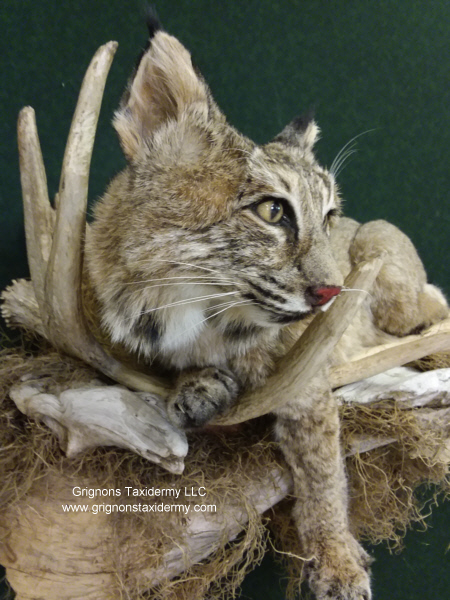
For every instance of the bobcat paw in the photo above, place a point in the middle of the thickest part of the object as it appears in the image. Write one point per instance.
(341, 573)
(201, 395)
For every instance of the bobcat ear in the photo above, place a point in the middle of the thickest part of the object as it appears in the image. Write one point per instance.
(302, 132)
(164, 87)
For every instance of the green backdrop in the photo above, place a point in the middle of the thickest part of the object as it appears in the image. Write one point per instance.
(362, 65)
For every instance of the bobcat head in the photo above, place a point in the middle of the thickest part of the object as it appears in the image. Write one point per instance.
(204, 229)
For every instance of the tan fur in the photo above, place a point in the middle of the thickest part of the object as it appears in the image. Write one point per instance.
(188, 278)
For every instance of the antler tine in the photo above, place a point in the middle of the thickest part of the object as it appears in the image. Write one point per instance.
(310, 353)
(399, 352)
(38, 213)
(63, 281)
(59, 291)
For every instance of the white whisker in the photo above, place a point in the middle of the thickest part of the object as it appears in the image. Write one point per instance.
(184, 302)
(174, 262)
(332, 169)
(208, 277)
(341, 156)
(232, 304)
(214, 306)
(339, 167)
(215, 283)
(356, 290)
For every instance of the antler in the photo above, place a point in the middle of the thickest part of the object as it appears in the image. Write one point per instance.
(55, 238)
(52, 305)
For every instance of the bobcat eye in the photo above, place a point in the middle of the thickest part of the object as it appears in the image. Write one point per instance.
(271, 210)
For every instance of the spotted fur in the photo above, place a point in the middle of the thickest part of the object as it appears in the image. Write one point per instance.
(188, 276)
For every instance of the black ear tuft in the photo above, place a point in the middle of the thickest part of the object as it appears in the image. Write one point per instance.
(152, 21)
(153, 25)
(302, 132)
(301, 123)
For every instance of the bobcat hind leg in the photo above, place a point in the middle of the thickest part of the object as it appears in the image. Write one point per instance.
(403, 302)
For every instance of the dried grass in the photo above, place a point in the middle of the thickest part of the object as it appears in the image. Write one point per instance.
(386, 485)
(223, 463)
(383, 502)
(439, 360)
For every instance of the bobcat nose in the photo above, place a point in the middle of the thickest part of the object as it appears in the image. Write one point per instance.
(318, 296)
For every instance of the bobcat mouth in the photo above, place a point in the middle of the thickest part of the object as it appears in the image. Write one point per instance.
(277, 314)
(315, 299)
(284, 318)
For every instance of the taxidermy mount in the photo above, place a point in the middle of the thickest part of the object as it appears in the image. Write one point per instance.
(210, 269)
(206, 257)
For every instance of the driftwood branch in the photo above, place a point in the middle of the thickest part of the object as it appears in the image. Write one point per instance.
(409, 387)
(92, 416)
(206, 532)
(44, 538)
(47, 540)
(89, 417)
(426, 395)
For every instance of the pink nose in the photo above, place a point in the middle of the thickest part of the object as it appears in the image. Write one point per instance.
(318, 296)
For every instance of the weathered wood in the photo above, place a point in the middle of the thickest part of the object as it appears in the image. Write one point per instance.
(78, 551)
(409, 387)
(95, 416)
(411, 390)
(20, 308)
(44, 539)
(90, 417)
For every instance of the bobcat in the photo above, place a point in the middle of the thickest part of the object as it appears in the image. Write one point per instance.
(207, 257)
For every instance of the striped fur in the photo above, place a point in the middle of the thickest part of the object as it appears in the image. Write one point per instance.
(189, 276)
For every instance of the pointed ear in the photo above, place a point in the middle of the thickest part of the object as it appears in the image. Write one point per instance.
(164, 87)
(302, 132)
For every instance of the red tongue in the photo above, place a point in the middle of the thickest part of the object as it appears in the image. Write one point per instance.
(324, 294)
